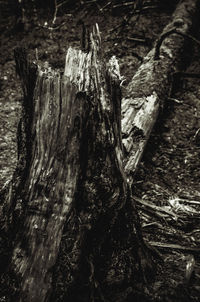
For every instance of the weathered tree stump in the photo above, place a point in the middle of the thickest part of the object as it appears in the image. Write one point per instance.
(69, 187)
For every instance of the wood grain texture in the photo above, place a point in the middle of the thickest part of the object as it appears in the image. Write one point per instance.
(150, 86)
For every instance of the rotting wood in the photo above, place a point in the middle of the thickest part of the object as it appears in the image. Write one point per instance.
(57, 121)
(70, 176)
(150, 85)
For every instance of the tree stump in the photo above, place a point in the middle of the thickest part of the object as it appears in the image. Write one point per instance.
(69, 194)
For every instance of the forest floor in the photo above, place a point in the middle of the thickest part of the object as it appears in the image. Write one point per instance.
(167, 183)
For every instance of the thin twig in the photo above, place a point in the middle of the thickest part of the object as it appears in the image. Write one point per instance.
(124, 4)
(175, 100)
(136, 40)
(62, 3)
(55, 12)
(168, 33)
(196, 134)
(154, 207)
(174, 246)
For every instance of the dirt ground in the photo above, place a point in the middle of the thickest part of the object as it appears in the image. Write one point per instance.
(166, 187)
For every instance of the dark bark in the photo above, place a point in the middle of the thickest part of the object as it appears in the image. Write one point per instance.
(70, 175)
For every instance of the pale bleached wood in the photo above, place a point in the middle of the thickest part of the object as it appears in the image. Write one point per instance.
(150, 85)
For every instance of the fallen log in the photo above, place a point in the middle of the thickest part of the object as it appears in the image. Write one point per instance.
(152, 82)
